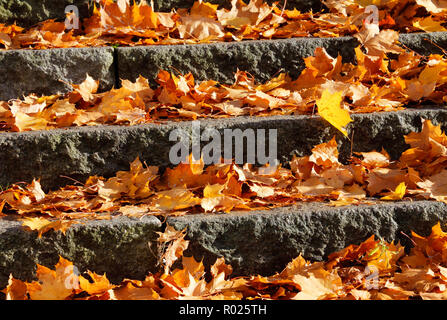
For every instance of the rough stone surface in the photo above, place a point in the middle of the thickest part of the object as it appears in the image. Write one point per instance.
(253, 242)
(42, 71)
(29, 12)
(220, 61)
(263, 59)
(425, 43)
(263, 242)
(80, 152)
(118, 247)
(39, 71)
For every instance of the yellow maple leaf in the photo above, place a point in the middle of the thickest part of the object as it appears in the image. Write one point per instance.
(200, 28)
(429, 25)
(55, 284)
(329, 108)
(174, 244)
(397, 194)
(24, 122)
(43, 225)
(433, 6)
(175, 199)
(131, 292)
(204, 9)
(15, 290)
(98, 285)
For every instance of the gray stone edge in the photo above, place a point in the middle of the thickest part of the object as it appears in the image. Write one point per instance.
(118, 247)
(263, 242)
(104, 150)
(415, 41)
(253, 242)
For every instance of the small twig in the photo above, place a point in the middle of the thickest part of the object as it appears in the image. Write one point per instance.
(436, 45)
(283, 8)
(175, 69)
(412, 241)
(76, 181)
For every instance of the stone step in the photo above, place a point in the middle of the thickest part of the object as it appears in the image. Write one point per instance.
(219, 61)
(118, 247)
(41, 71)
(52, 71)
(103, 150)
(29, 12)
(261, 58)
(263, 242)
(253, 242)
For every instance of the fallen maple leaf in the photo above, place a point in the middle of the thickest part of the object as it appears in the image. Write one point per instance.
(98, 285)
(56, 284)
(15, 290)
(397, 194)
(131, 24)
(174, 243)
(435, 6)
(42, 225)
(344, 275)
(429, 25)
(329, 108)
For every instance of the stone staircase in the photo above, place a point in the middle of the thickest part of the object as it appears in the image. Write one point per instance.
(259, 242)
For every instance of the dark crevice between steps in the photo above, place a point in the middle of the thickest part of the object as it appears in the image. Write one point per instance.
(116, 69)
(29, 12)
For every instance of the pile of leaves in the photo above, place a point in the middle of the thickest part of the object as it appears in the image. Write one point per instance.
(122, 23)
(327, 85)
(374, 269)
(190, 187)
(402, 16)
